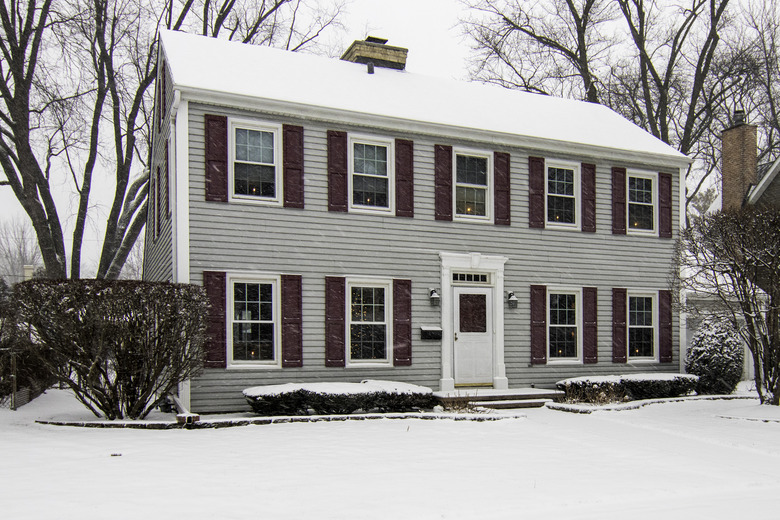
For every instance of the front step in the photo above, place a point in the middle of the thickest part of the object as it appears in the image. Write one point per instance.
(499, 399)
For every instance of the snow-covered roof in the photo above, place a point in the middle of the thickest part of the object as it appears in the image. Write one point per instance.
(208, 65)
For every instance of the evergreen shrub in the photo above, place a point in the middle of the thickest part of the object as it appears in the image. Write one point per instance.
(716, 355)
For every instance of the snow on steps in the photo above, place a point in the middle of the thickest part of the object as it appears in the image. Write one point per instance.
(500, 399)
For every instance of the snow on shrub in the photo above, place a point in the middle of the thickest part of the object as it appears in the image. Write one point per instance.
(120, 345)
(339, 398)
(607, 389)
(716, 355)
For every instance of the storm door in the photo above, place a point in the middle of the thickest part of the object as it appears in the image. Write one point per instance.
(473, 336)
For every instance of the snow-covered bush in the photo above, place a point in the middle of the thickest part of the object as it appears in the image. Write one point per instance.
(120, 346)
(608, 389)
(716, 355)
(339, 398)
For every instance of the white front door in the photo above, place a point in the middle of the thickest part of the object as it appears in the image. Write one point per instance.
(473, 335)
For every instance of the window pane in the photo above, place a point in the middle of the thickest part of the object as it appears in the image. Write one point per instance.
(470, 201)
(473, 312)
(471, 170)
(563, 342)
(254, 179)
(640, 311)
(640, 216)
(368, 304)
(640, 190)
(367, 342)
(640, 342)
(370, 159)
(369, 191)
(560, 181)
(253, 341)
(254, 146)
(560, 209)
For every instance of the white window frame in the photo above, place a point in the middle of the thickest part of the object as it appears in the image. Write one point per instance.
(577, 292)
(642, 294)
(373, 141)
(387, 285)
(568, 165)
(260, 126)
(653, 176)
(482, 154)
(259, 278)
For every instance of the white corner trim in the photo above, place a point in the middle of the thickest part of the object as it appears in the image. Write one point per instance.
(181, 201)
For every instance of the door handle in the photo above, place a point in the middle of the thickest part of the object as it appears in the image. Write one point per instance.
(456, 336)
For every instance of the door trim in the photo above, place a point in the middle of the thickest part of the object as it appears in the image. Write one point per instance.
(478, 263)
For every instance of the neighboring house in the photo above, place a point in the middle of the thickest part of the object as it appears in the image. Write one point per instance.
(744, 182)
(351, 220)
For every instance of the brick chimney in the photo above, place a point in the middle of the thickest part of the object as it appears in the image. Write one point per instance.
(376, 51)
(739, 161)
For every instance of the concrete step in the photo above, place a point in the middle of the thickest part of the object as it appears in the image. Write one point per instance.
(516, 403)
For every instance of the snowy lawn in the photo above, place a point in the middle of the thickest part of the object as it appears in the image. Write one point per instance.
(696, 459)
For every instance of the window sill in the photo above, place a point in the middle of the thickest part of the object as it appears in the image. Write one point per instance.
(562, 227)
(642, 361)
(254, 201)
(253, 367)
(369, 365)
(367, 210)
(641, 233)
(473, 220)
(564, 361)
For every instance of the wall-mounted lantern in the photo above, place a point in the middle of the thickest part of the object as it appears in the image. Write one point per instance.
(511, 300)
(433, 294)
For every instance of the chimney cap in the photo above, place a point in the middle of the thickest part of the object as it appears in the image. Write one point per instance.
(739, 117)
(374, 39)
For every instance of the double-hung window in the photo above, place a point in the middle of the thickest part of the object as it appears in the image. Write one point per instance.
(642, 320)
(473, 186)
(254, 332)
(642, 202)
(369, 321)
(562, 189)
(255, 161)
(563, 330)
(371, 174)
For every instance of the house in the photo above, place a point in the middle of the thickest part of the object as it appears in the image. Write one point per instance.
(352, 220)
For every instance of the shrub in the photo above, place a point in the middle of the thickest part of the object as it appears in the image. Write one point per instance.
(302, 401)
(610, 389)
(716, 355)
(120, 346)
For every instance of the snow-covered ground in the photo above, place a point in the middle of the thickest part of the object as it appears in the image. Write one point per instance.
(696, 459)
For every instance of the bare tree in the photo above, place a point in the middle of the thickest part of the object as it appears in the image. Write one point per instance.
(76, 92)
(733, 258)
(660, 64)
(18, 248)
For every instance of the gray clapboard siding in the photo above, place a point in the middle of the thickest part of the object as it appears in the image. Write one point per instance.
(158, 247)
(316, 243)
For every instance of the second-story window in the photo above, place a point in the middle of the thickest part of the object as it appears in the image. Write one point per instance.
(642, 200)
(562, 187)
(472, 186)
(371, 174)
(255, 164)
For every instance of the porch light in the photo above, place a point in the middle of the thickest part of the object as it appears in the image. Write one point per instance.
(433, 294)
(511, 300)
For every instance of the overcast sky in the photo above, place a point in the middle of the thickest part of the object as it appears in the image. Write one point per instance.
(428, 28)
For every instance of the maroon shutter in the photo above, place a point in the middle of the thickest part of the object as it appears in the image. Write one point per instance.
(292, 321)
(664, 205)
(292, 171)
(402, 323)
(338, 195)
(589, 325)
(588, 189)
(443, 181)
(335, 321)
(501, 190)
(618, 201)
(619, 332)
(160, 98)
(167, 182)
(164, 98)
(535, 192)
(665, 326)
(216, 158)
(538, 324)
(214, 283)
(404, 178)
